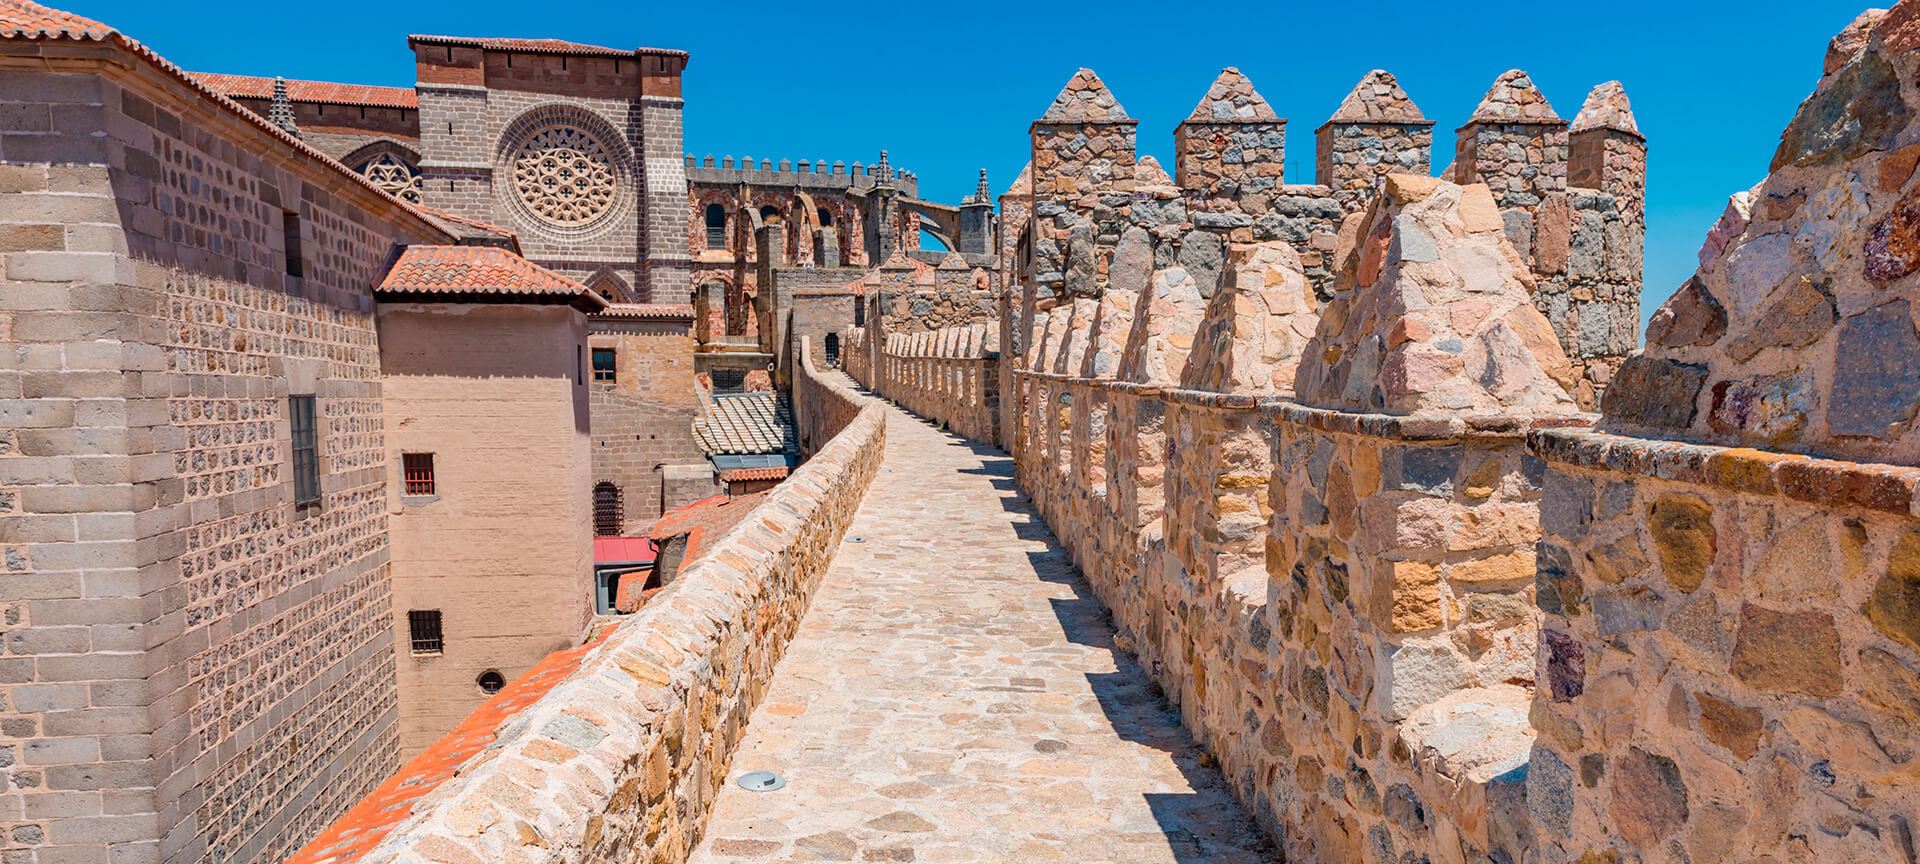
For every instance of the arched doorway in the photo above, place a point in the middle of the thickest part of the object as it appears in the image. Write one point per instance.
(833, 350)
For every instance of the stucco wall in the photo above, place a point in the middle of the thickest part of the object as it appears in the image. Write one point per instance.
(503, 547)
(620, 762)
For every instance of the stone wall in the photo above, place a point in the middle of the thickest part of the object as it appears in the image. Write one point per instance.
(196, 667)
(643, 419)
(621, 761)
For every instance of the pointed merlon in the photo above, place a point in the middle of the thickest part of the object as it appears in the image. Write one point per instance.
(1022, 184)
(1085, 99)
(1607, 108)
(1514, 99)
(1147, 172)
(1378, 99)
(952, 261)
(1232, 99)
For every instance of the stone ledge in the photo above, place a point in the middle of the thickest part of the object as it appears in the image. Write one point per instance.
(1417, 428)
(1829, 482)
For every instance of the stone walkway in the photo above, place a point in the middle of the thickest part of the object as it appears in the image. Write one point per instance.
(954, 696)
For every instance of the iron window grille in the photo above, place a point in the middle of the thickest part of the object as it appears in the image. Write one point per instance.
(306, 451)
(418, 470)
(423, 627)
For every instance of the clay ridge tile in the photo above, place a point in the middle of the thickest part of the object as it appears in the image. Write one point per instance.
(542, 46)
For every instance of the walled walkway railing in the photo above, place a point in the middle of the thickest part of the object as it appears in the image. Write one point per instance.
(621, 761)
(948, 376)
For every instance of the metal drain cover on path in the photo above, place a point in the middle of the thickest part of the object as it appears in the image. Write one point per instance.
(761, 781)
(856, 539)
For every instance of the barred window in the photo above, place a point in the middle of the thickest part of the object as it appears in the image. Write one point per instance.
(603, 364)
(423, 627)
(306, 451)
(418, 468)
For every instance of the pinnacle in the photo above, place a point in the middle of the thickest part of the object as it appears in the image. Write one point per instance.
(1607, 108)
(1514, 99)
(1230, 99)
(1377, 99)
(1085, 99)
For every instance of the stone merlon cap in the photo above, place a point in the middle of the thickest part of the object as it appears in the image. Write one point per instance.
(1023, 183)
(541, 46)
(1378, 99)
(1514, 99)
(1607, 108)
(1232, 99)
(1085, 99)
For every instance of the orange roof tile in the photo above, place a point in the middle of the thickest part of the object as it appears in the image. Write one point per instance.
(770, 472)
(542, 46)
(362, 828)
(647, 310)
(483, 227)
(439, 271)
(704, 521)
(255, 87)
(20, 19)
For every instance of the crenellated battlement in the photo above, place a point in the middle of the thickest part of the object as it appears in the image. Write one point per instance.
(1569, 196)
(804, 174)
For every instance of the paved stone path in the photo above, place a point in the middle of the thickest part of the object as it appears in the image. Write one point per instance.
(954, 696)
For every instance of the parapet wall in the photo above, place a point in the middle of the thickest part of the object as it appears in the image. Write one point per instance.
(948, 376)
(621, 761)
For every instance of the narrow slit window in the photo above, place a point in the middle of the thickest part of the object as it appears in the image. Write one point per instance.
(603, 365)
(306, 451)
(290, 225)
(418, 468)
(423, 628)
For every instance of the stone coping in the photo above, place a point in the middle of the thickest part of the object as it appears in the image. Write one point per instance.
(992, 355)
(1283, 408)
(1827, 482)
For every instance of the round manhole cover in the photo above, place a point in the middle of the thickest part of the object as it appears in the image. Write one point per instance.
(856, 539)
(761, 781)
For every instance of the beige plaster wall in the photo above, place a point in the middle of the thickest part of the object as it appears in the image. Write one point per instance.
(504, 547)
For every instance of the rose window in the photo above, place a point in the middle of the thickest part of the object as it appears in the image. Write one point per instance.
(393, 176)
(564, 175)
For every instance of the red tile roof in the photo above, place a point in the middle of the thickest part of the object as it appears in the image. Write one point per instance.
(482, 228)
(254, 87)
(362, 828)
(704, 521)
(439, 271)
(632, 593)
(771, 472)
(542, 46)
(20, 19)
(647, 310)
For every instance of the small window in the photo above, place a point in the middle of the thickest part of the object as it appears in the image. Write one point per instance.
(306, 451)
(603, 365)
(491, 681)
(290, 224)
(833, 349)
(859, 312)
(716, 219)
(729, 380)
(579, 365)
(423, 627)
(607, 516)
(826, 217)
(418, 468)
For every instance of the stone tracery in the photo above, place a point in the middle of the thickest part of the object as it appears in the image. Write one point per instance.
(393, 176)
(564, 174)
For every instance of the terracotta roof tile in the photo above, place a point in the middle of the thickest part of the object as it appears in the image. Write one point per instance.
(362, 828)
(466, 227)
(542, 46)
(255, 87)
(647, 310)
(443, 270)
(705, 521)
(770, 472)
(20, 19)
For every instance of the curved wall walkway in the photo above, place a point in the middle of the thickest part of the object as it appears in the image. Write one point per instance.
(954, 695)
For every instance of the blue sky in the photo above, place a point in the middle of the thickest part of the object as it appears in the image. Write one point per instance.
(950, 88)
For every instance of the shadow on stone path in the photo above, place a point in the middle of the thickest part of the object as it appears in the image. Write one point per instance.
(954, 696)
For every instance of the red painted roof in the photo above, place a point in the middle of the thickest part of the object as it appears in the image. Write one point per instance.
(541, 46)
(704, 521)
(462, 270)
(255, 87)
(20, 19)
(362, 828)
(771, 472)
(647, 310)
(621, 550)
